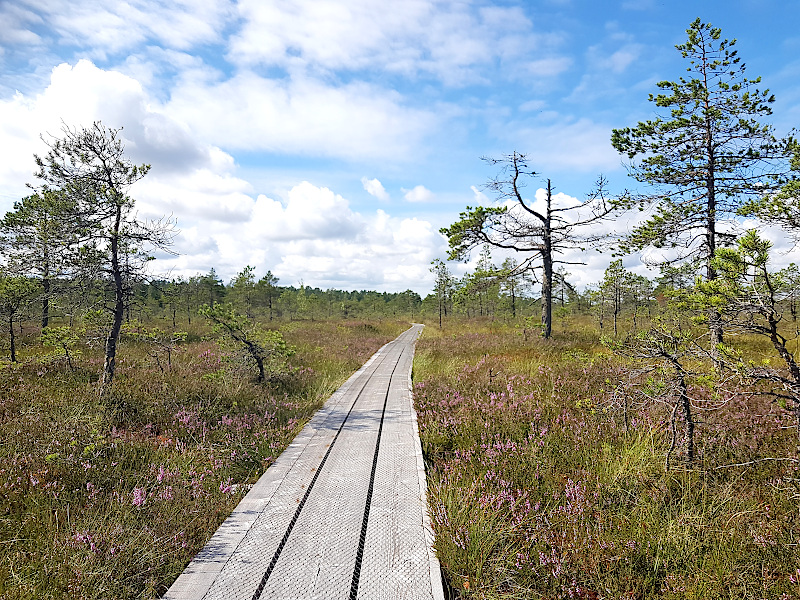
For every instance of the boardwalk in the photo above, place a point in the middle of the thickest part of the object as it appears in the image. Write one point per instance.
(341, 514)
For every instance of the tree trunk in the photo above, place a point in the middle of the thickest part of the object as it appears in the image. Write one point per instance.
(260, 363)
(547, 296)
(269, 301)
(687, 416)
(794, 369)
(254, 351)
(13, 340)
(46, 303)
(547, 279)
(673, 436)
(513, 303)
(119, 307)
(714, 317)
(46, 293)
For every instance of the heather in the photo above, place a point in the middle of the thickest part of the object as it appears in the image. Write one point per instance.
(111, 497)
(547, 474)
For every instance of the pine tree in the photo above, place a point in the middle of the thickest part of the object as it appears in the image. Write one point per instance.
(709, 155)
(16, 296)
(89, 166)
(40, 239)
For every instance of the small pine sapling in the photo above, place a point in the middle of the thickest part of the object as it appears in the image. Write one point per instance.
(751, 299)
(63, 341)
(266, 348)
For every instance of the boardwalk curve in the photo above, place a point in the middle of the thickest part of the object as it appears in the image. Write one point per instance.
(341, 513)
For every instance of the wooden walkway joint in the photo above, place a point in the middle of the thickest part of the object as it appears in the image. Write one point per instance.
(342, 513)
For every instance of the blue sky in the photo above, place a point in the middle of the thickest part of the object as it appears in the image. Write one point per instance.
(329, 140)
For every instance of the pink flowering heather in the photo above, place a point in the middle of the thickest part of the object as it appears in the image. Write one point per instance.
(139, 496)
(226, 487)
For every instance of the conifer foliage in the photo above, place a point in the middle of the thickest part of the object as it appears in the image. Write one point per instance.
(708, 156)
(89, 166)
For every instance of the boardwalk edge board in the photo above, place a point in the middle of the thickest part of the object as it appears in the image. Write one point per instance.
(433, 562)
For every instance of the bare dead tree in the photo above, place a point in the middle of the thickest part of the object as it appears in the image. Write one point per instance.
(541, 234)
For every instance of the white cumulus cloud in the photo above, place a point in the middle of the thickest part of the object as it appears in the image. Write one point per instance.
(375, 188)
(453, 41)
(311, 233)
(80, 94)
(302, 116)
(418, 193)
(314, 236)
(479, 197)
(109, 27)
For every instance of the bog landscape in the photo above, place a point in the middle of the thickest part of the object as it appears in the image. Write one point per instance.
(635, 438)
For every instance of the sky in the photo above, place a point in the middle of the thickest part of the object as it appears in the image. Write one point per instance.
(328, 141)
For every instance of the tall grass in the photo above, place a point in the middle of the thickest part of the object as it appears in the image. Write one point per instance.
(113, 500)
(538, 489)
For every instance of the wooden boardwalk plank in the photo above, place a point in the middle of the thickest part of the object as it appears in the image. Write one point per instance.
(306, 531)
